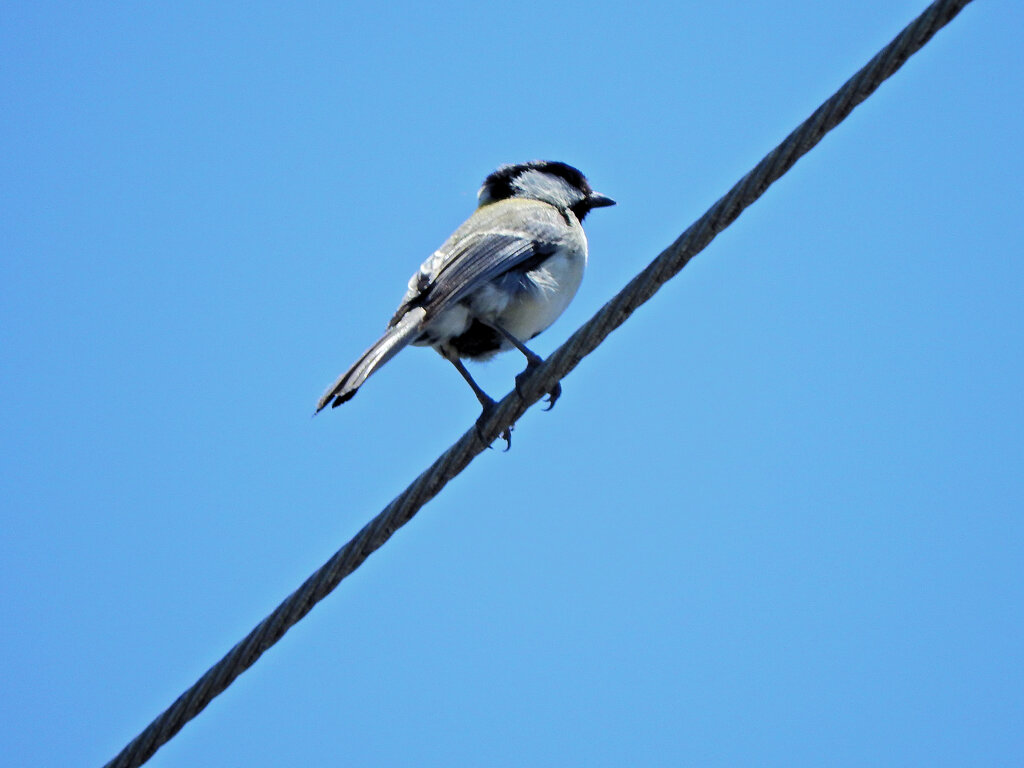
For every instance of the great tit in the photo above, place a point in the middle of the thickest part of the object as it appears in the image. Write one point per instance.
(502, 277)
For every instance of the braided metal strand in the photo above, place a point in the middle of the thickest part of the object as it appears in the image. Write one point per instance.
(538, 383)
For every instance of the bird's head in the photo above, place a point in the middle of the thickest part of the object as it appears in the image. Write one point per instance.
(551, 182)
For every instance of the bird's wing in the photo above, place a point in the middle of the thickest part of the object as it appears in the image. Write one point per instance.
(479, 259)
(477, 254)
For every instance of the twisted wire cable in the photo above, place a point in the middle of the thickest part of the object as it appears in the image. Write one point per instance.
(539, 382)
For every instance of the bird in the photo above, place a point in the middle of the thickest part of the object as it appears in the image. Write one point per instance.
(503, 277)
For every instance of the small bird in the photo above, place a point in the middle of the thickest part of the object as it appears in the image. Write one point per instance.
(504, 276)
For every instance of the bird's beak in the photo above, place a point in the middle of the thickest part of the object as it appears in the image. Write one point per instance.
(597, 200)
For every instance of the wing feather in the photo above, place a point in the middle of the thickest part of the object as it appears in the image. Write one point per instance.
(490, 244)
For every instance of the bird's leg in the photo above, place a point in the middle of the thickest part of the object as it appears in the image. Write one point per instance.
(532, 361)
(486, 402)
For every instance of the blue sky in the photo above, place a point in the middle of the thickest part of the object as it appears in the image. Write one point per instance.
(776, 519)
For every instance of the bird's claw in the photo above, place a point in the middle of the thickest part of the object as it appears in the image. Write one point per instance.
(553, 394)
(506, 433)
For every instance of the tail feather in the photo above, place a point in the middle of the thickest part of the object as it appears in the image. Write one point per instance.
(400, 335)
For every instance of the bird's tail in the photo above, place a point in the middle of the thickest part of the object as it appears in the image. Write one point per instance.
(400, 335)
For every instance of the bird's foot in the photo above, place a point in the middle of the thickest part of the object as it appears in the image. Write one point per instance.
(488, 410)
(553, 394)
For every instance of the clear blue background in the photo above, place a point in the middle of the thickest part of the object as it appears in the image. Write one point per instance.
(775, 520)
